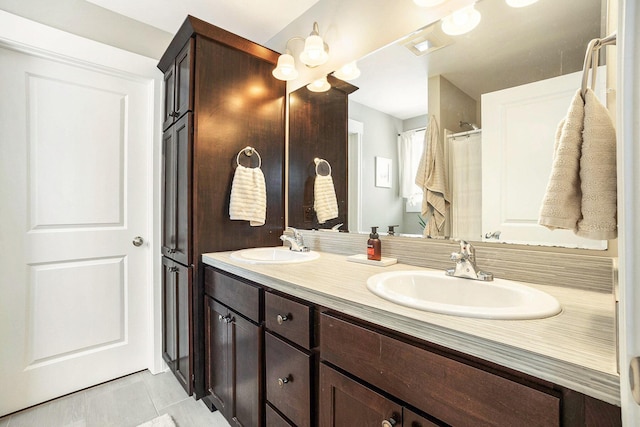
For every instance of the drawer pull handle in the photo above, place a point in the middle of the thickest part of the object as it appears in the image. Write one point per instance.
(282, 318)
(225, 319)
(283, 381)
(389, 423)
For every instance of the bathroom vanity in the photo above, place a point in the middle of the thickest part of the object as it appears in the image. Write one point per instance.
(335, 354)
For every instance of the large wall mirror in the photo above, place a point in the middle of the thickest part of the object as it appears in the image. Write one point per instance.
(497, 94)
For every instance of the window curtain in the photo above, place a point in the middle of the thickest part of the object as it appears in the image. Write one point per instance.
(410, 146)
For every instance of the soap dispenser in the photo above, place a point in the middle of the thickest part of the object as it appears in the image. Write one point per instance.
(374, 249)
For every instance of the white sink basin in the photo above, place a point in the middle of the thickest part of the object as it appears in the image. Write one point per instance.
(434, 291)
(273, 255)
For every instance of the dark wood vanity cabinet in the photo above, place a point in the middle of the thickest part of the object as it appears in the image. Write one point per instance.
(233, 348)
(204, 68)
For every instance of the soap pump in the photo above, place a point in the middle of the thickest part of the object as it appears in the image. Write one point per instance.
(374, 250)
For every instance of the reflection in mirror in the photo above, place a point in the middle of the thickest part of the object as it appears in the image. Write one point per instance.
(498, 94)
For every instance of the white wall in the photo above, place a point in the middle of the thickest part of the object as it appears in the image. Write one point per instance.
(380, 206)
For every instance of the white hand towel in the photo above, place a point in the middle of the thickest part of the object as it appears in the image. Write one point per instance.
(432, 178)
(325, 203)
(598, 172)
(561, 206)
(248, 200)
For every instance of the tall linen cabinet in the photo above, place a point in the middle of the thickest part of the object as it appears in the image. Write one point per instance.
(219, 97)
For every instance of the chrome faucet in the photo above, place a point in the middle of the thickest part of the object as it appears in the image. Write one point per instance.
(296, 242)
(466, 264)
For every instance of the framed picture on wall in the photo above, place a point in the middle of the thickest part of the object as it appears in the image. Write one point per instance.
(383, 172)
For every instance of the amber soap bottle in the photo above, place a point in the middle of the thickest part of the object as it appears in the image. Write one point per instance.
(374, 249)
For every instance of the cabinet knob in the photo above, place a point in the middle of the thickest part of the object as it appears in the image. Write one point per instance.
(389, 423)
(283, 381)
(173, 114)
(282, 318)
(225, 319)
(173, 269)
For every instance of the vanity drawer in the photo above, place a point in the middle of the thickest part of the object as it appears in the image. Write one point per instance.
(449, 390)
(289, 319)
(288, 380)
(274, 419)
(242, 297)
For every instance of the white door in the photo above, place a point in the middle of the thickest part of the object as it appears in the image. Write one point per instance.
(73, 186)
(518, 132)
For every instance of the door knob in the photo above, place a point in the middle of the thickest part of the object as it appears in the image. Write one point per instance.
(138, 241)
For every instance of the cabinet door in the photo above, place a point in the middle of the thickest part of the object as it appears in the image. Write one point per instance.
(183, 85)
(169, 179)
(176, 320)
(178, 87)
(217, 360)
(184, 142)
(176, 190)
(347, 403)
(247, 371)
(169, 98)
(169, 319)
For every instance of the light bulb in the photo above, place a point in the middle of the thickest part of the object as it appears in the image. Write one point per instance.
(461, 21)
(348, 71)
(320, 85)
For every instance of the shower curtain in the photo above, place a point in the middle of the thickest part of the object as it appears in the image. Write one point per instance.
(465, 179)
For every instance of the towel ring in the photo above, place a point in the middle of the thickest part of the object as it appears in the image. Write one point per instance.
(249, 151)
(319, 162)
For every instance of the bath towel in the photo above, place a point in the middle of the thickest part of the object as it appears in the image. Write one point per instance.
(598, 178)
(324, 194)
(248, 201)
(581, 192)
(432, 178)
(561, 205)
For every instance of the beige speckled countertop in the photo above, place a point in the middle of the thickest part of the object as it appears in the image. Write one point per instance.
(575, 349)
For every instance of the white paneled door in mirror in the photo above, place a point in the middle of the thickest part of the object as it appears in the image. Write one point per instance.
(74, 144)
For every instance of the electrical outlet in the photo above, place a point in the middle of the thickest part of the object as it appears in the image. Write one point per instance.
(308, 213)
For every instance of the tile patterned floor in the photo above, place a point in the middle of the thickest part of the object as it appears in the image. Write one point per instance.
(123, 402)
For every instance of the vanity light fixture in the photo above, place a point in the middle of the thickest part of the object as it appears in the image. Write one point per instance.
(348, 71)
(461, 21)
(320, 85)
(428, 3)
(315, 53)
(520, 3)
(286, 68)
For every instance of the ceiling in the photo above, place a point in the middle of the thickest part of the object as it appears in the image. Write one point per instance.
(256, 20)
(510, 47)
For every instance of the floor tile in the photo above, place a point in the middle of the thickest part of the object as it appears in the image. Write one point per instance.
(61, 412)
(192, 413)
(121, 405)
(164, 389)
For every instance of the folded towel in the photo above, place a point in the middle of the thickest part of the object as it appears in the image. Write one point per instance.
(325, 203)
(581, 193)
(561, 205)
(432, 178)
(598, 172)
(248, 200)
